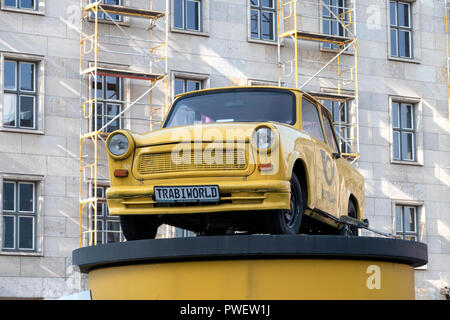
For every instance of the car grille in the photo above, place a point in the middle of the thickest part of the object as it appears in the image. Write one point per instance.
(154, 163)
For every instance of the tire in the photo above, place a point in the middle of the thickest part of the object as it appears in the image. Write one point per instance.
(288, 221)
(139, 227)
(350, 230)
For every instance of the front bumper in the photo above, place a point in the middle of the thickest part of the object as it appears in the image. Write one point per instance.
(234, 196)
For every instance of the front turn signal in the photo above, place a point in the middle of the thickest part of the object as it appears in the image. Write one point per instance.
(121, 173)
(265, 167)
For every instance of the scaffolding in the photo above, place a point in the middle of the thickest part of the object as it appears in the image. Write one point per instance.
(447, 16)
(108, 51)
(331, 74)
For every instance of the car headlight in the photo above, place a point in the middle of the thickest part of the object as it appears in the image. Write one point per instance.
(118, 144)
(263, 138)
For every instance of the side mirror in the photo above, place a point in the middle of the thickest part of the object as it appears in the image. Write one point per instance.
(336, 155)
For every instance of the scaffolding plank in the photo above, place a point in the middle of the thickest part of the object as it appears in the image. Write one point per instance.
(332, 96)
(122, 73)
(129, 11)
(321, 37)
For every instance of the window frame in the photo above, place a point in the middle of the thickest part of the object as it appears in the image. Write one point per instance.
(102, 17)
(260, 8)
(184, 16)
(399, 28)
(400, 130)
(18, 7)
(402, 234)
(17, 215)
(330, 18)
(185, 84)
(104, 218)
(104, 102)
(19, 93)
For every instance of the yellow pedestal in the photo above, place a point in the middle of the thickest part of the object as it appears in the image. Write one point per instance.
(251, 267)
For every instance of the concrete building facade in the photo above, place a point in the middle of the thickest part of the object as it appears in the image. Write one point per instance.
(404, 137)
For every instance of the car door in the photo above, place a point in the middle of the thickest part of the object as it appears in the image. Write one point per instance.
(329, 156)
(324, 168)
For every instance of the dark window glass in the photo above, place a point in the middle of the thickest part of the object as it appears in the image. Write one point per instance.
(267, 3)
(329, 132)
(403, 131)
(178, 13)
(26, 197)
(26, 231)
(254, 2)
(9, 196)
(406, 219)
(395, 115)
(262, 19)
(393, 13)
(8, 232)
(179, 86)
(112, 88)
(254, 23)
(27, 111)
(405, 43)
(310, 120)
(11, 3)
(394, 45)
(9, 76)
(403, 15)
(9, 109)
(397, 145)
(113, 231)
(192, 15)
(27, 4)
(267, 25)
(233, 106)
(186, 85)
(192, 85)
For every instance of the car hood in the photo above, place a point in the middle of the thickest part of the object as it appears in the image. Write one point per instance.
(211, 132)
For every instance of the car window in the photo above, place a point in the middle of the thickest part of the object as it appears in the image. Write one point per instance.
(234, 105)
(329, 131)
(310, 120)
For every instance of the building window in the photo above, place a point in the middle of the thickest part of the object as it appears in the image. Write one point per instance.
(108, 227)
(21, 4)
(19, 216)
(19, 94)
(109, 102)
(262, 19)
(406, 222)
(187, 14)
(401, 29)
(404, 135)
(186, 85)
(103, 16)
(340, 115)
(330, 25)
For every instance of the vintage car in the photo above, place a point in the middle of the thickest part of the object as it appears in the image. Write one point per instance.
(235, 160)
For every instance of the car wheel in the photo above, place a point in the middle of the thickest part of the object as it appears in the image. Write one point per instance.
(349, 230)
(288, 221)
(139, 227)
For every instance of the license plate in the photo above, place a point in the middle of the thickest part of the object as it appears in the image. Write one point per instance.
(187, 194)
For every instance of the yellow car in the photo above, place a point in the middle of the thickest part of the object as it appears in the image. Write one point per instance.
(241, 159)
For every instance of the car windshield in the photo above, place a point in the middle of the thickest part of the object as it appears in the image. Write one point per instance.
(251, 105)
